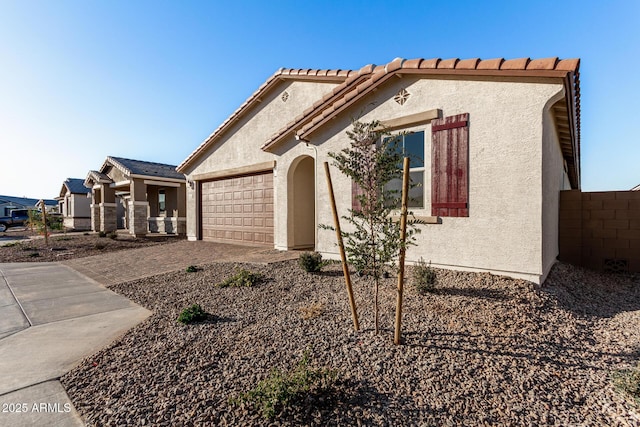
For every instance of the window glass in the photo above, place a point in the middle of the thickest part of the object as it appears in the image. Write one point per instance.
(161, 201)
(414, 148)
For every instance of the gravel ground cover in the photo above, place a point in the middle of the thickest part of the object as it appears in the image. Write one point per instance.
(62, 247)
(481, 350)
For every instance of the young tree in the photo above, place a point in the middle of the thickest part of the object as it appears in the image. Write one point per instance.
(373, 159)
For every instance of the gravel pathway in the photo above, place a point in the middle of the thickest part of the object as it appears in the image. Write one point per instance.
(482, 350)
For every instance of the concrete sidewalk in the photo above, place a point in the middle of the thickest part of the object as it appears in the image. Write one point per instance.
(51, 317)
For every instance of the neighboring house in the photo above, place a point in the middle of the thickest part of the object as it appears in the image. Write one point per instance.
(9, 203)
(636, 188)
(142, 197)
(74, 204)
(497, 142)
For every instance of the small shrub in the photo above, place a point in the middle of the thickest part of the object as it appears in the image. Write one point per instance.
(113, 235)
(424, 277)
(100, 246)
(311, 311)
(12, 244)
(102, 234)
(64, 238)
(242, 278)
(195, 313)
(281, 389)
(34, 255)
(192, 269)
(627, 382)
(86, 234)
(311, 262)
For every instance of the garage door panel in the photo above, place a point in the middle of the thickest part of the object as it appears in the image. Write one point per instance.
(238, 209)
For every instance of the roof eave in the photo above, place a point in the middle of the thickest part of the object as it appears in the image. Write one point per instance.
(280, 76)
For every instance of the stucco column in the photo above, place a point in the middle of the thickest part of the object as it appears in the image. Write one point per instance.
(108, 218)
(138, 208)
(96, 198)
(182, 209)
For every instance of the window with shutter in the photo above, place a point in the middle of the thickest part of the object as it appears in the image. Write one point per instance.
(450, 166)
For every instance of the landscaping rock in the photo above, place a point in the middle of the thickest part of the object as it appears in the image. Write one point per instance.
(480, 350)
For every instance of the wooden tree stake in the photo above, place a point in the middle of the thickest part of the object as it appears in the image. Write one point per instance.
(403, 249)
(44, 222)
(345, 267)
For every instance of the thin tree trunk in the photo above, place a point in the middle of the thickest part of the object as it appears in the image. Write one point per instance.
(376, 306)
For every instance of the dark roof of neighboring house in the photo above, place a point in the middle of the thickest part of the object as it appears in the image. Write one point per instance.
(636, 188)
(139, 167)
(76, 185)
(26, 201)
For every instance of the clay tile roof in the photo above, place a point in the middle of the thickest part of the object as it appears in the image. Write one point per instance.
(568, 64)
(412, 63)
(330, 75)
(448, 63)
(394, 65)
(490, 64)
(430, 63)
(515, 64)
(543, 64)
(467, 64)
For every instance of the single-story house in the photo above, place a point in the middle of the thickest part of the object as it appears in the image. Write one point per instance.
(497, 141)
(138, 196)
(9, 203)
(74, 203)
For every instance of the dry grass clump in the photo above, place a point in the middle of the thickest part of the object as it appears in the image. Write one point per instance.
(311, 311)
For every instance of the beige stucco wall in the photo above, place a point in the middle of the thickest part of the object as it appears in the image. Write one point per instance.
(503, 233)
(81, 205)
(554, 180)
(240, 146)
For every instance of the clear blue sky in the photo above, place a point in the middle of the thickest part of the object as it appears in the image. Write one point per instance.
(150, 80)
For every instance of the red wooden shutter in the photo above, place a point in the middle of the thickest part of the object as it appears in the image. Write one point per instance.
(356, 191)
(450, 166)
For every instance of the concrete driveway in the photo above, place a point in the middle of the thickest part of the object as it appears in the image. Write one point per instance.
(51, 317)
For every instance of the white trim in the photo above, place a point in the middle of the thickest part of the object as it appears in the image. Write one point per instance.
(139, 203)
(120, 183)
(97, 186)
(163, 183)
(181, 181)
(107, 205)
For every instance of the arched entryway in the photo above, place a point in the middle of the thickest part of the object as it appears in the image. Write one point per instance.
(301, 221)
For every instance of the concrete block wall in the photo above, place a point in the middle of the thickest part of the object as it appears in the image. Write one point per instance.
(600, 230)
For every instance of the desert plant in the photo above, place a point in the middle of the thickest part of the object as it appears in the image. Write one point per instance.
(424, 277)
(372, 161)
(280, 389)
(242, 278)
(113, 235)
(102, 234)
(100, 246)
(311, 311)
(191, 314)
(311, 262)
(627, 382)
(192, 269)
(34, 255)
